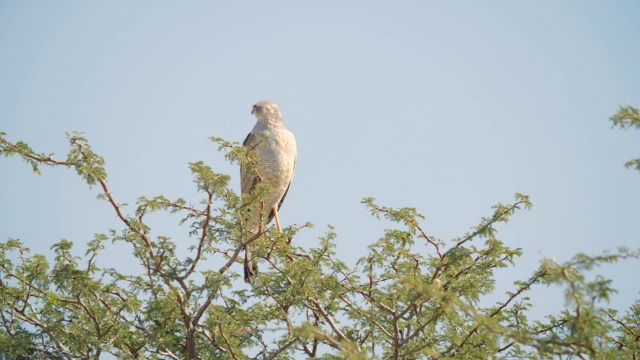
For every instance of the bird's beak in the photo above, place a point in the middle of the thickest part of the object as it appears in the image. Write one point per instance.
(253, 110)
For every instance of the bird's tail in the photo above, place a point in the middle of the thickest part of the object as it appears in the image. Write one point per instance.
(250, 266)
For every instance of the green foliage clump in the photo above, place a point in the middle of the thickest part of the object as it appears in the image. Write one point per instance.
(627, 117)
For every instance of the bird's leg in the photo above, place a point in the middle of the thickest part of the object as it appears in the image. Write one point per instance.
(275, 213)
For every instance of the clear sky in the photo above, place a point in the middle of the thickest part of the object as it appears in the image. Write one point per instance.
(449, 107)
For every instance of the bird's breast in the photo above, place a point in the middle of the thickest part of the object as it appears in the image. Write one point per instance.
(276, 148)
(277, 152)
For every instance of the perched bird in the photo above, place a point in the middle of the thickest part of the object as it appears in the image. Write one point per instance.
(276, 150)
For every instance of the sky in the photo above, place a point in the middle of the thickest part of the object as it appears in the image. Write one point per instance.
(448, 107)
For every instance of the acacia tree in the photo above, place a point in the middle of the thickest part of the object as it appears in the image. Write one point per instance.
(627, 117)
(411, 296)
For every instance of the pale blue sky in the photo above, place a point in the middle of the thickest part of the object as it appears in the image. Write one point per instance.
(448, 107)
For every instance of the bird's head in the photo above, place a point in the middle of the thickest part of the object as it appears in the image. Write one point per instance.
(266, 110)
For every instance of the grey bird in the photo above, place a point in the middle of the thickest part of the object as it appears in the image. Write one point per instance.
(275, 147)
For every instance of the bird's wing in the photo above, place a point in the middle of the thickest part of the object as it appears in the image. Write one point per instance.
(248, 179)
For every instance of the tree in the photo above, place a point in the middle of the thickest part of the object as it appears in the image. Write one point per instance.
(627, 117)
(412, 296)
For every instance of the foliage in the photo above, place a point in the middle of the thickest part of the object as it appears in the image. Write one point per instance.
(412, 296)
(627, 117)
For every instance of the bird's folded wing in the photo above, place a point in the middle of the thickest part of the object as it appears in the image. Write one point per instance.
(248, 179)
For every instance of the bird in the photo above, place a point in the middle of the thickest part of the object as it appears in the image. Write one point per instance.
(275, 147)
